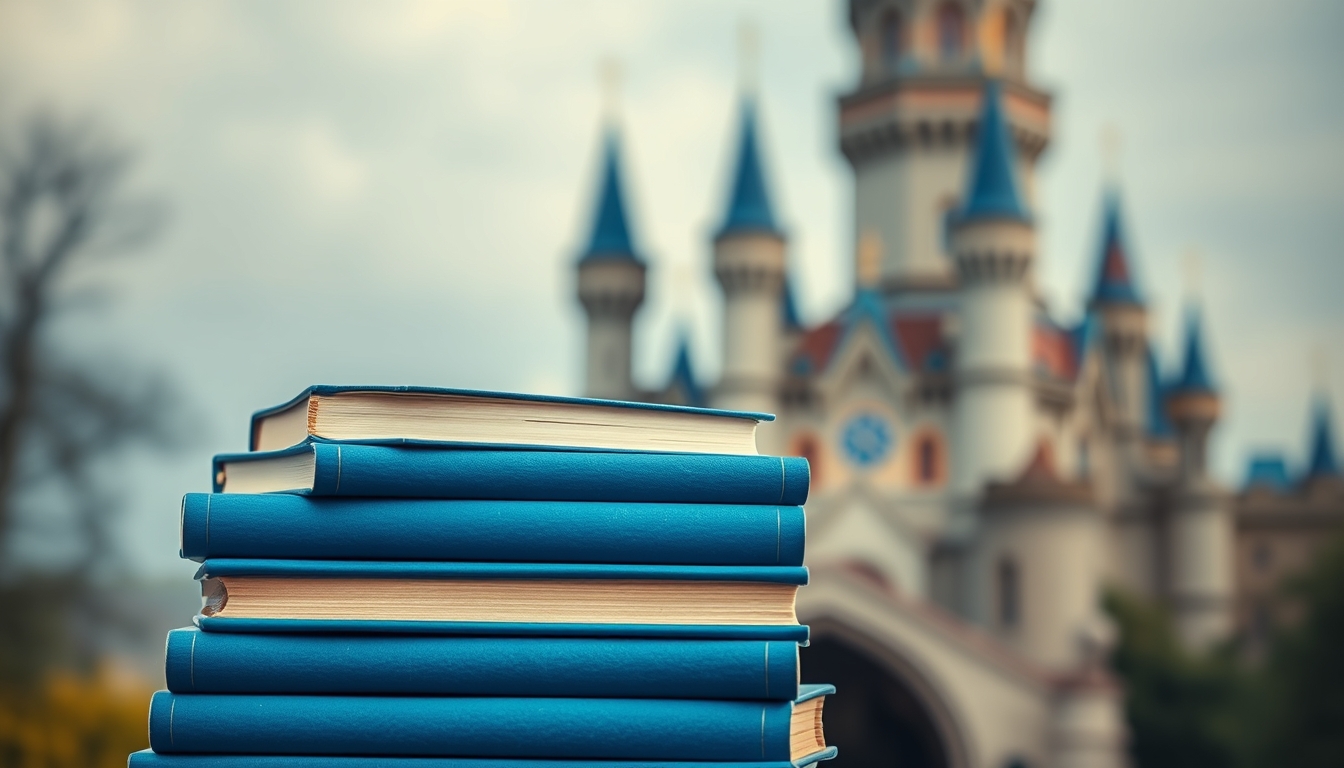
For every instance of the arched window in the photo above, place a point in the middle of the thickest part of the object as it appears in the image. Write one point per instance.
(951, 30)
(1009, 593)
(928, 469)
(890, 39)
(1012, 42)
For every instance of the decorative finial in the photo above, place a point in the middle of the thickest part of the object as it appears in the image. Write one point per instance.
(1320, 369)
(748, 54)
(1110, 151)
(609, 75)
(1190, 265)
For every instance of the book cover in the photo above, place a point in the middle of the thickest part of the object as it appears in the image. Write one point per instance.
(206, 662)
(290, 526)
(615, 729)
(354, 469)
(433, 415)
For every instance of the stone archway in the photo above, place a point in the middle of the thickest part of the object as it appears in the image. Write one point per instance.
(877, 717)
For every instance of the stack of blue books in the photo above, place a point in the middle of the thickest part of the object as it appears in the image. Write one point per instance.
(454, 579)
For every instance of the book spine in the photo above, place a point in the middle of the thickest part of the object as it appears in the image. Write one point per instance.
(203, 662)
(616, 729)
(292, 526)
(371, 470)
(148, 759)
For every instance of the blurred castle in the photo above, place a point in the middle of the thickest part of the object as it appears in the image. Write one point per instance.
(980, 470)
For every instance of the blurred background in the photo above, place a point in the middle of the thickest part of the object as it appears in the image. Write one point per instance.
(208, 206)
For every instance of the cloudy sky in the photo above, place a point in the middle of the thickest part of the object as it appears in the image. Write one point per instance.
(393, 192)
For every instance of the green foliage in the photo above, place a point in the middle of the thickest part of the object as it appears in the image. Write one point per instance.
(1303, 700)
(1183, 709)
(1213, 709)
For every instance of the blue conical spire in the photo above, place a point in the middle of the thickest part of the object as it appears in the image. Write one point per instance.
(749, 207)
(611, 233)
(1115, 282)
(1323, 461)
(1194, 373)
(683, 374)
(993, 184)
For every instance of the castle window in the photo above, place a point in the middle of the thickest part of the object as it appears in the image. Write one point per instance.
(1009, 593)
(951, 30)
(890, 30)
(928, 460)
(1263, 555)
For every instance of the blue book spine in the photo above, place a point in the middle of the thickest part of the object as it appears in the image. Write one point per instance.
(205, 662)
(348, 469)
(148, 759)
(290, 526)
(617, 729)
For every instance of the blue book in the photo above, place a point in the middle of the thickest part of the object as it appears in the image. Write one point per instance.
(149, 759)
(594, 729)
(288, 526)
(746, 602)
(352, 469)
(430, 415)
(213, 662)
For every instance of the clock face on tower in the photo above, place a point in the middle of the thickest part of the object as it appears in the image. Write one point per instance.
(867, 439)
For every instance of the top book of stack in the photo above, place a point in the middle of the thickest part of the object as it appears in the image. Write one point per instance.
(366, 441)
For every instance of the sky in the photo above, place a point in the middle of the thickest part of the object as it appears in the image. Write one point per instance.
(395, 192)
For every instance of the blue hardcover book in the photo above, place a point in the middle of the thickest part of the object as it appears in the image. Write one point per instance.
(351, 469)
(747, 602)
(149, 759)
(430, 415)
(594, 729)
(212, 662)
(288, 526)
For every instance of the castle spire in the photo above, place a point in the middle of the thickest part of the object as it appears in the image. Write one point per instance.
(1194, 377)
(749, 208)
(1115, 281)
(610, 238)
(1322, 462)
(993, 190)
(683, 380)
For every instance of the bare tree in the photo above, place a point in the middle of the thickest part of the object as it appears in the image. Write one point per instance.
(64, 417)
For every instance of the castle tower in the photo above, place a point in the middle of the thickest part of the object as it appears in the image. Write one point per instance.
(1036, 572)
(1199, 527)
(908, 129)
(611, 284)
(1124, 327)
(749, 265)
(994, 243)
(1322, 476)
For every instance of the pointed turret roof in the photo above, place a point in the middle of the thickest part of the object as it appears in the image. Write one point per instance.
(683, 374)
(749, 207)
(1115, 281)
(1195, 375)
(1322, 462)
(993, 193)
(610, 237)
(1268, 471)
